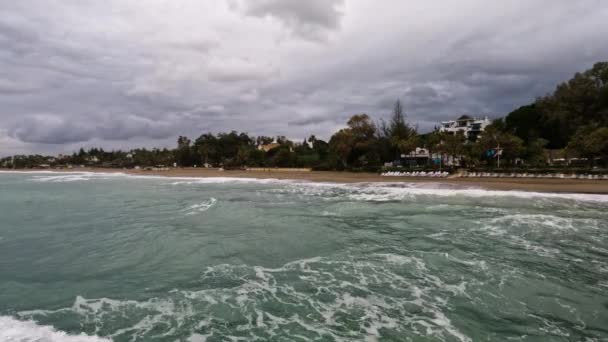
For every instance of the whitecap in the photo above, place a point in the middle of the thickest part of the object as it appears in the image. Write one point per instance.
(61, 179)
(377, 191)
(13, 330)
(551, 222)
(348, 281)
(200, 207)
(384, 192)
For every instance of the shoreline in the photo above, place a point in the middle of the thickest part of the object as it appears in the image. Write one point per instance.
(554, 185)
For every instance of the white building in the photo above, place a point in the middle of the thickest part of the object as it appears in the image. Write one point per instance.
(421, 156)
(472, 127)
(92, 159)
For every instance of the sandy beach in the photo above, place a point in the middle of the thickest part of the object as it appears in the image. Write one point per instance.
(520, 184)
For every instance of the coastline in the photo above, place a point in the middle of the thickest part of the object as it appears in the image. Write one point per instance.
(554, 185)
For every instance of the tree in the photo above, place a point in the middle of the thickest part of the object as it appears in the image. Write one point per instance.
(263, 140)
(453, 145)
(401, 136)
(362, 127)
(526, 123)
(356, 145)
(341, 143)
(320, 147)
(581, 101)
(183, 152)
(206, 147)
(492, 139)
(534, 151)
(590, 142)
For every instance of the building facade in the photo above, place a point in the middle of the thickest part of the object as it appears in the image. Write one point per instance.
(471, 127)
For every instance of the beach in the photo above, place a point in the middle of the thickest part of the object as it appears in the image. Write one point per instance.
(504, 184)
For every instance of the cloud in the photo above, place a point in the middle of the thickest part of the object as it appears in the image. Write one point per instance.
(55, 129)
(15, 87)
(49, 129)
(308, 121)
(123, 73)
(234, 70)
(311, 19)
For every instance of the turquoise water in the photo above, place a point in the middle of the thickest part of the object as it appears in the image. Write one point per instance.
(94, 257)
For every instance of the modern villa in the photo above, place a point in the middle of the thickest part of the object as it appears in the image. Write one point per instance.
(472, 127)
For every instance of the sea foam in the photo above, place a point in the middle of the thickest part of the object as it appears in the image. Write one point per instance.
(381, 191)
(12, 330)
(200, 207)
(332, 289)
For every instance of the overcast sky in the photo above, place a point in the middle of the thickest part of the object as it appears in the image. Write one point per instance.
(122, 74)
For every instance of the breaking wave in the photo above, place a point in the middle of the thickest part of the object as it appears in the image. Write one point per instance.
(385, 295)
(200, 207)
(357, 191)
(12, 330)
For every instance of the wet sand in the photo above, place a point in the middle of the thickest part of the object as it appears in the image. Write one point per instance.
(521, 184)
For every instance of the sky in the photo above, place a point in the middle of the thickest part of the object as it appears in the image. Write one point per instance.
(125, 73)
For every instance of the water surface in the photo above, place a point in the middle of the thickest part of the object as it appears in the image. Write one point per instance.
(123, 258)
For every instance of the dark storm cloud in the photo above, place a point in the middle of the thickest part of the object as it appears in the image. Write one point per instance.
(126, 73)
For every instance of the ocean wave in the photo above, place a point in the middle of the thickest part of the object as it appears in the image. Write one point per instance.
(200, 207)
(520, 230)
(384, 191)
(13, 330)
(344, 299)
(62, 178)
(70, 176)
(223, 180)
(542, 221)
(391, 192)
(405, 191)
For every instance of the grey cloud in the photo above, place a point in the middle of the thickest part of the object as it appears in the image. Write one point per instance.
(310, 19)
(198, 46)
(117, 74)
(14, 87)
(54, 129)
(49, 129)
(309, 121)
(234, 70)
(133, 126)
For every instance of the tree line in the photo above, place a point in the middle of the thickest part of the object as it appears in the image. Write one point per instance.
(572, 119)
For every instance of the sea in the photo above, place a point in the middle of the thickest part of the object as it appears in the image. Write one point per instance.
(116, 257)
